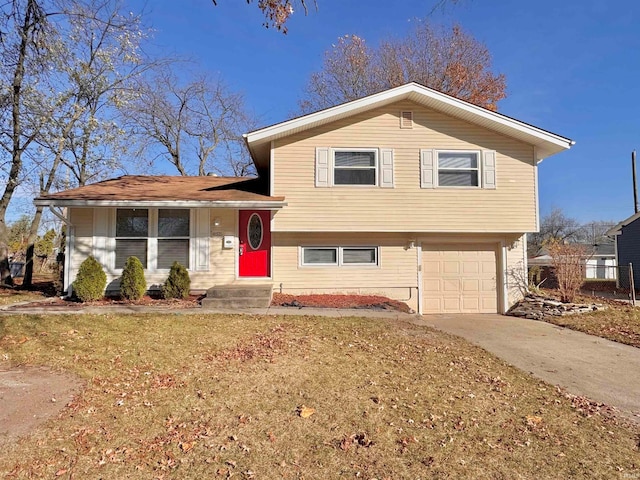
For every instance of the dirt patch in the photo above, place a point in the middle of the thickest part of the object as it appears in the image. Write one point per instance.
(369, 302)
(30, 396)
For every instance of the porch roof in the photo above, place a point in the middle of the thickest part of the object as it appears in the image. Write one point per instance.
(173, 191)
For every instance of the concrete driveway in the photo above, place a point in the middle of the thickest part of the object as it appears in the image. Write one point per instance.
(604, 371)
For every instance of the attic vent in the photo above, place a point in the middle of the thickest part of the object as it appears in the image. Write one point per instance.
(406, 119)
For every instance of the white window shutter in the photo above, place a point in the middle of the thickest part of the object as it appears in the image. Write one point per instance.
(101, 229)
(386, 167)
(488, 169)
(322, 167)
(427, 169)
(202, 239)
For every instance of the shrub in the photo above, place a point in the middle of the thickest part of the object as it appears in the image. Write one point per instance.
(178, 283)
(90, 281)
(569, 264)
(132, 284)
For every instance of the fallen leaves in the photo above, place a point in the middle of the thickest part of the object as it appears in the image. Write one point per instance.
(305, 412)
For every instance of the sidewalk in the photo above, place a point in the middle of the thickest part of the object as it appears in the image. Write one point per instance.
(78, 309)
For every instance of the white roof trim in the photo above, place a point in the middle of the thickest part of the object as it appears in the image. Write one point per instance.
(478, 113)
(269, 205)
(616, 230)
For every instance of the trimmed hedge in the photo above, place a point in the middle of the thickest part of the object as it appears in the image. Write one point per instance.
(90, 281)
(133, 284)
(178, 283)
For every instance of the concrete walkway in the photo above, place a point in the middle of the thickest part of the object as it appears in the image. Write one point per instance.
(602, 370)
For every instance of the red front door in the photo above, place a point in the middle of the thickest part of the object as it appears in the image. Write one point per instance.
(255, 243)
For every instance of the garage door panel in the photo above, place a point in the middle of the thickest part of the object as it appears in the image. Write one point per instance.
(431, 267)
(451, 305)
(459, 278)
(471, 285)
(450, 285)
(449, 267)
(471, 267)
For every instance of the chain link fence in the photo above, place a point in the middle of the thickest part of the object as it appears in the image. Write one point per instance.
(612, 281)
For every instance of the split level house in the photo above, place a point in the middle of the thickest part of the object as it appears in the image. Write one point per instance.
(407, 193)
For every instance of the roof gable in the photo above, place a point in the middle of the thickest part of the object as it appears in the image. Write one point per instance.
(546, 143)
(618, 228)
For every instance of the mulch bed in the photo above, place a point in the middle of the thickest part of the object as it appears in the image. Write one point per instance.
(369, 302)
(56, 303)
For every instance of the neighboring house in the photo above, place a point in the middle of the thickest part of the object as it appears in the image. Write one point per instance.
(599, 264)
(408, 193)
(626, 235)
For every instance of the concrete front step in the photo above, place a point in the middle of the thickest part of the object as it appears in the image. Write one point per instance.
(240, 291)
(240, 303)
(238, 296)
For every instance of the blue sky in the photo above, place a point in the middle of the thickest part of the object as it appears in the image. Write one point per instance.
(572, 67)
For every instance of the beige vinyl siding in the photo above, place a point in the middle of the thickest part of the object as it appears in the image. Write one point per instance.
(222, 261)
(511, 207)
(82, 221)
(516, 273)
(394, 277)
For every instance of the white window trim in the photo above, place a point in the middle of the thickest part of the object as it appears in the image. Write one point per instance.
(478, 154)
(339, 256)
(152, 241)
(332, 163)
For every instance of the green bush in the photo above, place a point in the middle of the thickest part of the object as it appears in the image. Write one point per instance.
(178, 283)
(132, 284)
(90, 281)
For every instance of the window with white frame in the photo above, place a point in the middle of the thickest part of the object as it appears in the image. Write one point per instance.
(158, 237)
(132, 230)
(458, 169)
(339, 256)
(173, 237)
(355, 166)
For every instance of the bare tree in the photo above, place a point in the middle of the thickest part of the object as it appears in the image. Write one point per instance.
(196, 126)
(25, 32)
(277, 12)
(450, 61)
(568, 260)
(554, 227)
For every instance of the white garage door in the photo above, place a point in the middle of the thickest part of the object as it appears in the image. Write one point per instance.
(459, 278)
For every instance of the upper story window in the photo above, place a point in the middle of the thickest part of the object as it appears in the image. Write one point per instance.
(355, 167)
(458, 169)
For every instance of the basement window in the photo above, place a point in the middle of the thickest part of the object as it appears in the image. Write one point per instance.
(339, 256)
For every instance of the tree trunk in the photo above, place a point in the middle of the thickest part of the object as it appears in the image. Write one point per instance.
(26, 30)
(27, 281)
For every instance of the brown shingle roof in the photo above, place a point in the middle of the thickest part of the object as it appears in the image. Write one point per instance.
(143, 188)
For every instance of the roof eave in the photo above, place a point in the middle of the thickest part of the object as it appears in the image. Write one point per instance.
(257, 204)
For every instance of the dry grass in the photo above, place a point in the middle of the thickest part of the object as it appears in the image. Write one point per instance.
(620, 323)
(227, 396)
(9, 296)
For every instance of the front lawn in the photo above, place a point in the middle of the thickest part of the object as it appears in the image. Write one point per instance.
(10, 296)
(619, 322)
(221, 396)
